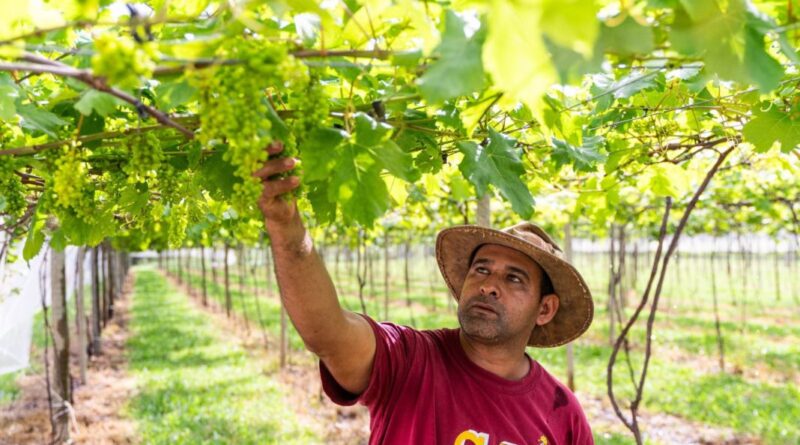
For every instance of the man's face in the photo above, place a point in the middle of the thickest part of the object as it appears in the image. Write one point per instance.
(500, 297)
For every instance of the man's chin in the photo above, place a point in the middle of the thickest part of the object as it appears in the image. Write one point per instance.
(481, 329)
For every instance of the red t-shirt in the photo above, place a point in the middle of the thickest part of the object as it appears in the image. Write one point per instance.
(425, 390)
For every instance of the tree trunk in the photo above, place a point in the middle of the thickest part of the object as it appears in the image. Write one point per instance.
(361, 275)
(777, 267)
(407, 254)
(612, 288)
(111, 290)
(96, 314)
(240, 262)
(228, 301)
(483, 215)
(61, 381)
(720, 341)
(213, 264)
(204, 284)
(80, 316)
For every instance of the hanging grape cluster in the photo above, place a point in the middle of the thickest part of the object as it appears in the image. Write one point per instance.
(234, 108)
(12, 191)
(121, 61)
(72, 191)
(145, 159)
(177, 221)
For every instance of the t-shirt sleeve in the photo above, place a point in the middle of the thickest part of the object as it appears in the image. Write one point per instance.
(394, 347)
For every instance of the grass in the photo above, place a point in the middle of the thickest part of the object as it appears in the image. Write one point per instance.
(195, 385)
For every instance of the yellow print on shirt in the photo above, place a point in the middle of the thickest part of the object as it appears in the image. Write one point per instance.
(472, 437)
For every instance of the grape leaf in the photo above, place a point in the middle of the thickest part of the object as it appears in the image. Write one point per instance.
(514, 53)
(35, 239)
(35, 118)
(93, 100)
(499, 164)
(626, 38)
(8, 94)
(770, 126)
(458, 69)
(583, 158)
(358, 187)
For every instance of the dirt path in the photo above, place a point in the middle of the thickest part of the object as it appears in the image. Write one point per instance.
(98, 404)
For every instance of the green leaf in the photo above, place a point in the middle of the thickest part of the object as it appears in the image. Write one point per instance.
(514, 53)
(218, 176)
(319, 152)
(583, 158)
(396, 161)
(8, 94)
(458, 69)
(93, 100)
(369, 132)
(627, 38)
(764, 70)
(35, 118)
(576, 30)
(498, 164)
(770, 126)
(358, 187)
(33, 244)
(174, 94)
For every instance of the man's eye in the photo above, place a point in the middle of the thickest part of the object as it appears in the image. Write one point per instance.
(514, 279)
(481, 270)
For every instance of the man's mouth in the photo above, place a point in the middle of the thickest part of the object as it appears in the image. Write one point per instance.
(483, 307)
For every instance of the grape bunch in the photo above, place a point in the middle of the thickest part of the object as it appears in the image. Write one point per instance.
(121, 61)
(145, 159)
(71, 188)
(177, 222)
(12, 191)
(234, 108)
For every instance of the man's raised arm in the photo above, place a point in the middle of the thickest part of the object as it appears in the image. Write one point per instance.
(343, 340)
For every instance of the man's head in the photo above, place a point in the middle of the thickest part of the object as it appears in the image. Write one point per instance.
(504, 296)
(555, 313)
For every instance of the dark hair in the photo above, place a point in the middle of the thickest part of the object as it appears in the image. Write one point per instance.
(545, 285)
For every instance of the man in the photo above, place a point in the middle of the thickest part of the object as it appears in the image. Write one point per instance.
(473, 385)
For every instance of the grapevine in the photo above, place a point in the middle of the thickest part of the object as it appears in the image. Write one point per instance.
(177, 222)
(121, 61)
(234, 109)
(146, 157)
(72, 191)
(12, 191)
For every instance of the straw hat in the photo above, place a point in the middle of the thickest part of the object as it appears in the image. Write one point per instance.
(454, 248)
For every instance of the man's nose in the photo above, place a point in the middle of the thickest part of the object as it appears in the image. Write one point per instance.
(489, 287)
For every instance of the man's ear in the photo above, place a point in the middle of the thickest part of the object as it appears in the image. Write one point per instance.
(547, 309)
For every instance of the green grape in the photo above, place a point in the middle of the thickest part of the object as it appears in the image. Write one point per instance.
(146, 157)
(69, 179)
(311, 111)
(121, 61)
(12, 191)
(233, 108)
(177, 223)
(73, 192)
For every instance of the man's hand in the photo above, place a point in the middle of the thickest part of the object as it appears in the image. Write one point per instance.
(275, 208)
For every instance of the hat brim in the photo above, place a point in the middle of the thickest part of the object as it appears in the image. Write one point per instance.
(454, 247)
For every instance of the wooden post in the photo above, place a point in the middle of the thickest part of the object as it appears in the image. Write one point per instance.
(483, 215)
(111, 277)
(228, 302)
(203, 274)
(96, 313)
(80, 315)
(61, 381)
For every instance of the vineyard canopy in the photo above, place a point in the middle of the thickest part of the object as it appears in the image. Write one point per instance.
(143, 122)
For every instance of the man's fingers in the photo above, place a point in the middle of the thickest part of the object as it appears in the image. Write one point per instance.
(275, 147)
(274, 166)
(278, 187)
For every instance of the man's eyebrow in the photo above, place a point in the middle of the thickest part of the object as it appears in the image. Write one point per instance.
(514, 269)
(520, 271)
